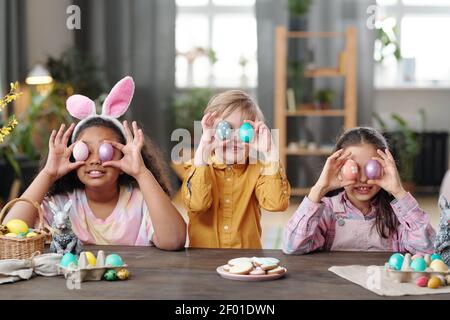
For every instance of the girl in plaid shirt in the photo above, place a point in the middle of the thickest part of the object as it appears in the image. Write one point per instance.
(359, 215)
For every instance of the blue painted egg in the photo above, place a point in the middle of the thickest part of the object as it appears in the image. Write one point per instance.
(223, 130)
(396, 261)
(419, 264)
(246, 132)
(435, 256)
(68, 259)
(114, 260)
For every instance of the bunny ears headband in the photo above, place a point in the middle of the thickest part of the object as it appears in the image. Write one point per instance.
(115, 105)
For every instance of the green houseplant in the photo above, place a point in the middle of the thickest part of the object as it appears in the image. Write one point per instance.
(323, 98)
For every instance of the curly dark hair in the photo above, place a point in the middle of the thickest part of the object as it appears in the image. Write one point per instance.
(386, 221)
(150, 154)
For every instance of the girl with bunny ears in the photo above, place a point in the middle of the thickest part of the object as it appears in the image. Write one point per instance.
(119, 197)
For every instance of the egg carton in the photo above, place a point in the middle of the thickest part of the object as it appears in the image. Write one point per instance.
(86, 272)
(402, 276)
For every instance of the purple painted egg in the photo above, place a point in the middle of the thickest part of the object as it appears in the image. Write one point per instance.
(80, 151)
(372, 169)
(106, 152)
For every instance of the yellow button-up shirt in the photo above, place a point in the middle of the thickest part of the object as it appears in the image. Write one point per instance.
(224, 202)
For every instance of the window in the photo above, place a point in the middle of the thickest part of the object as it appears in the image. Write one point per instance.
(216, 44)
(420, 31)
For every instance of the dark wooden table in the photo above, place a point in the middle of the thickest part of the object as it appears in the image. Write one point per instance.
(191, 274)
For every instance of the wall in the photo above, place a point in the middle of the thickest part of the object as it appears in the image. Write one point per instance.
(407, 102)
(47, 33)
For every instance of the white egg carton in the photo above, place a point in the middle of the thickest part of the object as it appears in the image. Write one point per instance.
(402, 276)
(86, 272)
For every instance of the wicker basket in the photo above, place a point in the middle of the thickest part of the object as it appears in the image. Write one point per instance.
(14, 248)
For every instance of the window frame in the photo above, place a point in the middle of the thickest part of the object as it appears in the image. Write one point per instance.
(210, 10)
(400, 10)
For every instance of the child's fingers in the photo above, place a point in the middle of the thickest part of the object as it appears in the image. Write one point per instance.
(67, 134)
(344, 156)
(59, 134)
(75, 165)
(141, 138)
(135, 130)
(336, 154)
(382, 154)
(346, 183)
(51, 141)
(128, 135)
(380, 161)
(389, 154)
(375, 182)
(115, 144)
(112, 163)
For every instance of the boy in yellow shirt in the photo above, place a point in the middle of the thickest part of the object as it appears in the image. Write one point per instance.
(225, 187)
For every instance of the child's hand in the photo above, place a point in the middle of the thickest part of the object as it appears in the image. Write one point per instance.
(390, 181)
(208, 141)
(58, 161)
(330, 179)
(131, 162)
(262, 140)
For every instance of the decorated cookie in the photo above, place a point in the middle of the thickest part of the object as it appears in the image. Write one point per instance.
(277, 270)
(236, 261)
(269, 266)
(242, 268)
(257, 272)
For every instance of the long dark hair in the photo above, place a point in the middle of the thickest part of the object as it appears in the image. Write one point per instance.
(386, 222)
(150, 154)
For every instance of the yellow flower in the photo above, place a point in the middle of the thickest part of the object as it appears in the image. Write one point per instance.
(10, 97)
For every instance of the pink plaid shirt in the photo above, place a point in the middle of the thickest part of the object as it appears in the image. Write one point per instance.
(312, 227)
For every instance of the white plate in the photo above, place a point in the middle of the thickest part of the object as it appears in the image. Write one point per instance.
(249, 277)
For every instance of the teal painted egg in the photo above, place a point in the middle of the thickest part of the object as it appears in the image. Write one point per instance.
(396, 261)
(21, 235)
(435, 256)
(419, 264)
(68, 259)
(110, 275)
(223, 130)
(246, 132)
(114, 260)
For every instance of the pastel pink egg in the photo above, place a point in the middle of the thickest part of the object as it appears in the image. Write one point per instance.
(372, 169)
(106, 152)
(80, 151)
(350, 170)
(422, 281)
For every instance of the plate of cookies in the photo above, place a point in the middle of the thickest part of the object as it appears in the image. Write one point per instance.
(252, 269)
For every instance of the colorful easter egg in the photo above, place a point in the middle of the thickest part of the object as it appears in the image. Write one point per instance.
(396, 261)
(434, 283)
(31, 234)
(438, 266)
(11, 235)
(246, 132)
(68, 259)
(372, 169)
(419, 264)
(80, 151)
(110, 275)
(223, 130)
(123, 274)
(106, 152)
(422, 281)
(435, 256)
(114, 260)
(91, 260)
(350, 170)
(17, 226)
